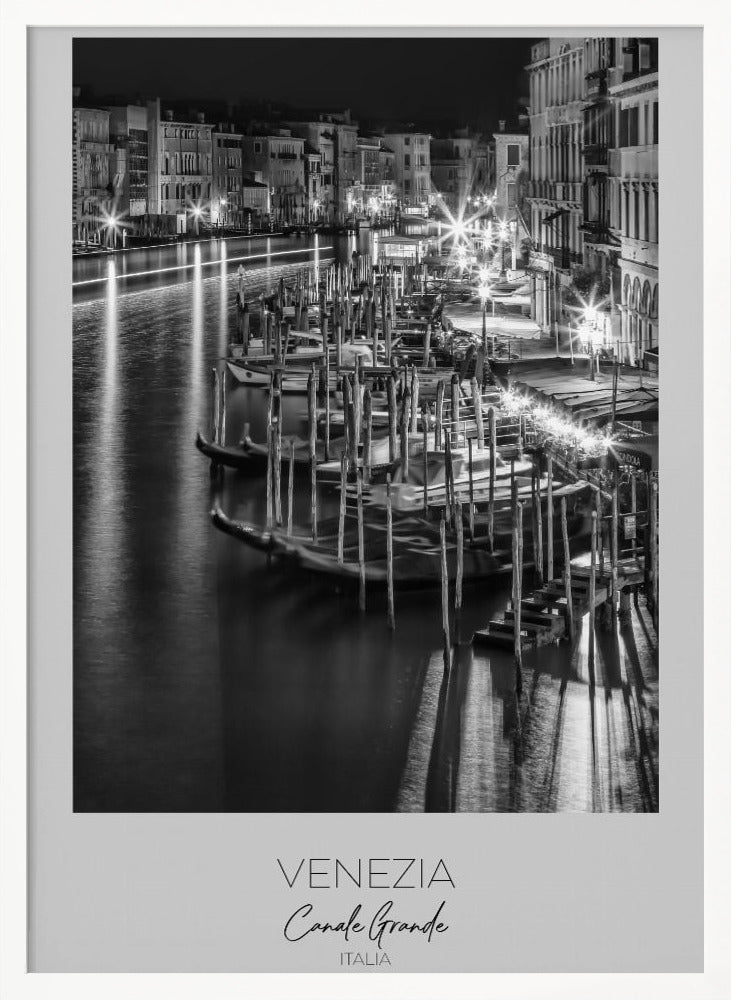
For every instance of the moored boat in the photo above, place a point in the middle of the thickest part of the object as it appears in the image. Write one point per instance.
(416, 546)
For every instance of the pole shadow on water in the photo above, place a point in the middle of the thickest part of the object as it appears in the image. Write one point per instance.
(642, 741)
(443, 771)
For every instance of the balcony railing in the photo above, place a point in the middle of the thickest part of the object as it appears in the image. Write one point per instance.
(555, 190)
(597, 232)
(596, 84)
(596, 154)
(564, 114)
(559, 258)
(633, 161)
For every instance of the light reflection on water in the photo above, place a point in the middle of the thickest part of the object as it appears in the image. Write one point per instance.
(206, 680)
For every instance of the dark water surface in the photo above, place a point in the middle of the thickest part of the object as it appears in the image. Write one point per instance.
(206, 680)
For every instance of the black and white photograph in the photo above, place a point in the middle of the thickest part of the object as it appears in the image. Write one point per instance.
(365, 424)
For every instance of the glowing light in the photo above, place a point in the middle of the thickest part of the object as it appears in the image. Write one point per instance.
(549, 425)
(110, 221)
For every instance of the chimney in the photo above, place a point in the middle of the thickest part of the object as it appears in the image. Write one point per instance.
(200, 118)
(501, 123)
(168, 116)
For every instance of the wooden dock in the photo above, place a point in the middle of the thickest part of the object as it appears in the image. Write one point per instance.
(544, 613)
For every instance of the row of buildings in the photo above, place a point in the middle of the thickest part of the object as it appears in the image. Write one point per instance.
(592, 199)
(162, 174)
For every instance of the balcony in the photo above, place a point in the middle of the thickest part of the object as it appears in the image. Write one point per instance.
(564, 114)
(633, 161)
(597, 233)
(596, 84)
(596, 154)
(553, 257)
(639, 251)
(556, 191)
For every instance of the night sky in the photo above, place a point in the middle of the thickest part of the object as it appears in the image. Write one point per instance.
(444, 82)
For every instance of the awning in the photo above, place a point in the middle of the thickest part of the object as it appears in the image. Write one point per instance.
(641, 453)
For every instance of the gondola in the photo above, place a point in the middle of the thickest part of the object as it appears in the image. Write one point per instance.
(416, 544)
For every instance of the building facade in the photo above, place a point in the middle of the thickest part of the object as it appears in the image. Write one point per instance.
(374, 189)
(319, 136)
(279, 157)
(180, 170)
(601, 246)
(226, 197)
(555, 191)
(412, 168)
(93, 194)
(512, 170)
(255, 202)
(128, 136)
(633, 193)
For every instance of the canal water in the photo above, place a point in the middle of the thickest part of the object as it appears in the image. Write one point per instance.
(207, 680)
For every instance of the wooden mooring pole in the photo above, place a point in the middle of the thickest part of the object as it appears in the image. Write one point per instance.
(343, 501)
(277, 459)
(361, 544)
(447, 646)
(390, 614)
(592, 593)
(216, 404)
(438, 416)
(460, 557)
(425, 455)
(477, 402)
(517, 592)
(655, 549)
(493, 460)
(326, 366)
(404, 432)
(537, 526)
(472, 490)
(312, 427)
(290, 488)
(615, 547)
(222, 378)
(549, 518)
(368, 438)
(392, 416)
(567, 570)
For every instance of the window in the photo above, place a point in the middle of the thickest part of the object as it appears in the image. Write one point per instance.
(257, 147)
(407, 141)
(628, 126)
(655, 130)
(513, 155)
(407, 160)
(511, 195)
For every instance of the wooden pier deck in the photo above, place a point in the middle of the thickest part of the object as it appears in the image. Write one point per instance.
(543, 613)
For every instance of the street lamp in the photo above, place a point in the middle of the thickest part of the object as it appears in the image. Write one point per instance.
(502, 235)
(111, 225)
(590, 335)
(221, 205)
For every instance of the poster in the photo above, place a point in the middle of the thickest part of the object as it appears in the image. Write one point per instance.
(255, 734)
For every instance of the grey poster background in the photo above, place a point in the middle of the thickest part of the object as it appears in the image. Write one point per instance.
(187, 893)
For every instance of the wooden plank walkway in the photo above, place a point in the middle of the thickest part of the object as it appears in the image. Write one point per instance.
(543, 614)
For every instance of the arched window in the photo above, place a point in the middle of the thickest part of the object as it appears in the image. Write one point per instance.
(645, 325)
(646, 299)
(636, 294)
